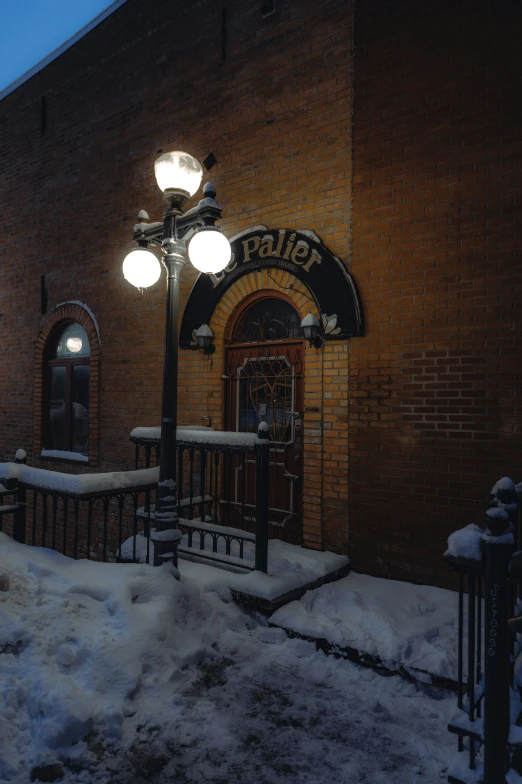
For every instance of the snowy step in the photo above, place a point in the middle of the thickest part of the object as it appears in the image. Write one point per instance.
(8, 508)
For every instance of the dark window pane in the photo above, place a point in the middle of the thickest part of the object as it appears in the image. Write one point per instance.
(57, 408)
(70, 343)
(80, 408)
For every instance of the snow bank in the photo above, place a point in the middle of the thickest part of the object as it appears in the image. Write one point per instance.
(80, 642)
(77, 484)
(401, 623)
(118, 673)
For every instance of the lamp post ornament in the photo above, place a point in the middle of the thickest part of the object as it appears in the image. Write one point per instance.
(181, 236)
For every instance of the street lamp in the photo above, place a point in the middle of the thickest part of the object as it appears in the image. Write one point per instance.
(181, 236)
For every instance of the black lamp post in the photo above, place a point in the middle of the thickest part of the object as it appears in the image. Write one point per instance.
(181, 236)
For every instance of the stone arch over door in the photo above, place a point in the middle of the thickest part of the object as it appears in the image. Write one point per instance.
(68, 312)
(263, 382)
(330, 293)
(276, 282)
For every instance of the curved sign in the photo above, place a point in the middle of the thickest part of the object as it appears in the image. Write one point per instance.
(299, 252)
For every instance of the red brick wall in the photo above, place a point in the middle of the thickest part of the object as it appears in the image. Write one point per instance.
(276, 112)
(422, 414)
(435, 386)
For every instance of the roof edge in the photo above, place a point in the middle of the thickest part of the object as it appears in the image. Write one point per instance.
(61, 49)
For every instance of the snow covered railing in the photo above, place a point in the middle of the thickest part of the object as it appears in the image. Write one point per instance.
(489, 681)
(80, 515)
(220, 507)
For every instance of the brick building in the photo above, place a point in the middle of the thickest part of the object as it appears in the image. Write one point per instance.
(390, 129)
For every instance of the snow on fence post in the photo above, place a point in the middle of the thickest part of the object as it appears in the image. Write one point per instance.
(498, 546)
(19, 522)
(262, 472)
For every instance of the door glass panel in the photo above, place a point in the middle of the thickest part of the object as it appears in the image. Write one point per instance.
(80, 408)
(266, 391)
(57, 412)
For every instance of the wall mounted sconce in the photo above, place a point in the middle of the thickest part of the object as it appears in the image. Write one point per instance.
(205, 338)
(312, 330)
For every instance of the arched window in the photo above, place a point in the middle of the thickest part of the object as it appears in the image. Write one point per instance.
(267, 320)
(66, 413)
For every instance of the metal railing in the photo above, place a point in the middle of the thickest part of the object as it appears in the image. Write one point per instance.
(222, 481)
(488, 648)
(91, 524)
(222, 504)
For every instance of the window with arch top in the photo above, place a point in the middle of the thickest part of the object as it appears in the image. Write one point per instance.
(267, 320)
(66, 412)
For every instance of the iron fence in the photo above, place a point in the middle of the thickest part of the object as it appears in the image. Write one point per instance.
(222, 496)
(488, 652)
(222, 507)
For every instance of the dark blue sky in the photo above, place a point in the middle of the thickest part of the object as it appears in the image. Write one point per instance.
(32, 29)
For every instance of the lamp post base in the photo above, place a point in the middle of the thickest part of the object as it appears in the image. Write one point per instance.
(166, 546)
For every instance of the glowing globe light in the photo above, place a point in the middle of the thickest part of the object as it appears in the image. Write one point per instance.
(74, 345)
(141, 268)
(178, 171)
(209, 250)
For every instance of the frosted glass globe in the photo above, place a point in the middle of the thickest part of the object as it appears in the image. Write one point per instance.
(209, 250)
(141, 268)
(74, 345)
(178, 171)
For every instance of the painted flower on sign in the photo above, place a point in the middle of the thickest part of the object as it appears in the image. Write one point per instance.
(330, 324)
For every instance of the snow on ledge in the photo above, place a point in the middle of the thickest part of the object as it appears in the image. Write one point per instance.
(78, 484)
(64, 455)
(203, 435)
(154, 433)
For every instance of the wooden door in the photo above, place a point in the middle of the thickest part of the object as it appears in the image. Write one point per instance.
(265, 383)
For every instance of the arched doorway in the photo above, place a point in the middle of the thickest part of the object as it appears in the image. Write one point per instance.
(264, 366)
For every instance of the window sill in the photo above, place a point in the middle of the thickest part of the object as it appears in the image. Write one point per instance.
(57, 454)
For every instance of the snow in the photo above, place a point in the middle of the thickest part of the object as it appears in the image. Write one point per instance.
(64, 455)
(503, 539)
(289, 567)
(200, 435)
(119, 673)
(77, 484)
(503, 484)
(20, 454)
(414, 626)
(497, 514)
(154, 433)
(465, 543)
(171, 535)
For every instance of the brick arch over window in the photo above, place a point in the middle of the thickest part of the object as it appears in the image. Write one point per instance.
(66, 313)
